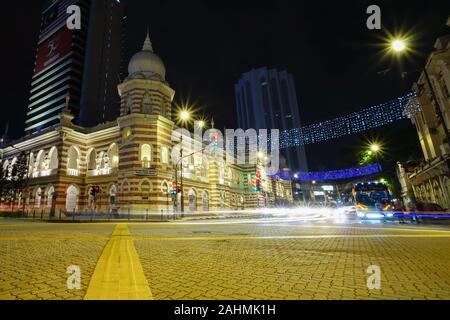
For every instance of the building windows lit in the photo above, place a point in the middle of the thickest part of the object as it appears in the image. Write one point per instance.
(146, 156)
(165, 155)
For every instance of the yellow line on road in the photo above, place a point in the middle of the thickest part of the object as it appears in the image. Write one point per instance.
(119, 274)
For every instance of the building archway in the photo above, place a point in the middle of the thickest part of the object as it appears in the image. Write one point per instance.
(39, 163)
(73, 160)
(113, 156)
(50, 196)
(91, 159)
(205, 201)
(113, 197)
(72, 198)
(38, 198)
(53, 159)
(192, 200)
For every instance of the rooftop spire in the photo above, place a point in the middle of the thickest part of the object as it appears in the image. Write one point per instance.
(147, 43)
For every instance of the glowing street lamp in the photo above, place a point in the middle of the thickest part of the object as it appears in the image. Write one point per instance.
(184, 115)
(375, 148)
(201, 124)
(398, 45)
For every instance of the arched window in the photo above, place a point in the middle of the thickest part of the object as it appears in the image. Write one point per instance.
(31, 164)
(146, 188)
(165, 155)
(39, 163)
(53, 159)
(73, 159)
(165, 187)
(37, 198)
(72, 199)
(146, 155)
(205, 201)
(50, 194)
(192, 200)
(92, 159)
(6, 169)
(113, 155)
(147, 104)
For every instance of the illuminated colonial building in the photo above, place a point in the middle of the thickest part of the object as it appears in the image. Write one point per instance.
(130, 159)
(430, 181)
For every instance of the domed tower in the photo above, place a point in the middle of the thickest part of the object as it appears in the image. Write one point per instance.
(145, 170)
(145, 90)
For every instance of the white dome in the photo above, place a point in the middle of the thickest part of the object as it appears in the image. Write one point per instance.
(147, 63)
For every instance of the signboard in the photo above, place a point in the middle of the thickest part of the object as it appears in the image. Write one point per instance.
(319, 193)
(145, 172)
(52, 50)
(328, 188)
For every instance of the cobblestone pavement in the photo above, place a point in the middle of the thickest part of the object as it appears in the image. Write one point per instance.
(34, 258)
(264, 259)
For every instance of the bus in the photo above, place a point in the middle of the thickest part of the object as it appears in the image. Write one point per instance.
(373, 200)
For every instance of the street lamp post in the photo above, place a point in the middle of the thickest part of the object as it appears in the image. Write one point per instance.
(184, 117)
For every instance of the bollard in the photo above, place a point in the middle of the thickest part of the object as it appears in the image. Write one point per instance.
(60, 214)
(146, 216)
(34, 214)
(129, 214)
(42, 215)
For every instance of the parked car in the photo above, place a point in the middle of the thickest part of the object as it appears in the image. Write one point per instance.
(429, 207)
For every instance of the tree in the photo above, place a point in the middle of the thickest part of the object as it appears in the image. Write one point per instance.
(3, 183)
(19, 177)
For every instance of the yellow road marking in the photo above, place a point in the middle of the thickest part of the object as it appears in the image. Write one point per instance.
(119, 274)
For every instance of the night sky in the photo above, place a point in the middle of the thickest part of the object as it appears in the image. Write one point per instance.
(207, 45)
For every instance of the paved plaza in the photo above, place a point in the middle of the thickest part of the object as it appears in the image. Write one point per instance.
(274, 259)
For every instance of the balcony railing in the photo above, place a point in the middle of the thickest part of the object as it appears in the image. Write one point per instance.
(43, 173)
(73, 172)
(101, 172)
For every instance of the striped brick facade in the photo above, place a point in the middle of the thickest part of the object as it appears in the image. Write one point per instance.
(130, 159)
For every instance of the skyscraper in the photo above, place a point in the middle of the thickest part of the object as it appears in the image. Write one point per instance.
(83, 65)
(266, 99)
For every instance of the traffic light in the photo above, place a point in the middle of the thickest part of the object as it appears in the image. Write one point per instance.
(256, 184)
(176, 188)
(215, 140)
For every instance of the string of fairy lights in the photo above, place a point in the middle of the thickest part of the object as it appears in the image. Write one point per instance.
(354, 123)
(366, 119)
